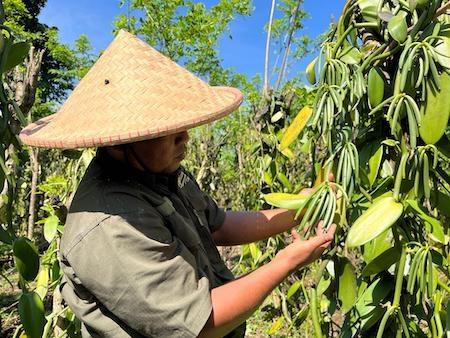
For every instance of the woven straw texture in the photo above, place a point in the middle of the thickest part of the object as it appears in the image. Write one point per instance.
(132, 93)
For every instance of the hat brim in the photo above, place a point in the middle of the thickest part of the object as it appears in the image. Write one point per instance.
(55, 132)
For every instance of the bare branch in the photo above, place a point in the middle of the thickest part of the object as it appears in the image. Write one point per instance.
(288, 44)
(266, 65)
(443, 9)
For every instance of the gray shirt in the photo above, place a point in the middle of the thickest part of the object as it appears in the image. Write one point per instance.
(128, 271)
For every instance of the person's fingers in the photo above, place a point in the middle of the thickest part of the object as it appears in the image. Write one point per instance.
(320, 228)
(317, 241)
(307, 191)
(331, 177)
(331, 230)
(295, 234)
(318, 251)
(325, 245)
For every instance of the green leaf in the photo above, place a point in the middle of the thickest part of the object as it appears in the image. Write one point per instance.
(369, 9)
(369, 307)
(311, 72)
(348, 290)
(32, 316)
(5, 236)
(296, 127)
(398, 27)
(442, 50)
(276, 326)
(374, 165)
(288, 153)
(286, 201)
(300, 316)
(42, 282)
(72, 154)
(26, 258)
(255, 252)
(323, 285)
(382, 262)
(375, 87)
(50, 227)
(351, 56)
(390, 143)
(444, 146)
(443, 203)
(56, 271)
(293, 289)
(377, 246)
(436, 112)
(16, 55)
(268, 178)
(437, 231)
(375, 220)
(284, 181)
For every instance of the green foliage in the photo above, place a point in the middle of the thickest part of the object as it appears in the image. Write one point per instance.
(379, 114)
(26, 258)
(36, 264)
(31, 311)
(16, 55)
(368, 108)
(286, 22)
(186, 31)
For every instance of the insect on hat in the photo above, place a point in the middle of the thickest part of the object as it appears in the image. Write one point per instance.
(132, 93)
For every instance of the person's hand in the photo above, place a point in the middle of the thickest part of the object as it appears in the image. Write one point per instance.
(306, 192)
(301, 253)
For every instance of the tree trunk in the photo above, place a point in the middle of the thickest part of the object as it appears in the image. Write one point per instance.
(34, 160)
(24, 86)
(288, 45)
(25, 83)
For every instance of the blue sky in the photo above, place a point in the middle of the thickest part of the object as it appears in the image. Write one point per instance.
(244, 52)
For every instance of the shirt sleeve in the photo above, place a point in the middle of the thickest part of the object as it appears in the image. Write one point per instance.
(144, 275)
(215, 215)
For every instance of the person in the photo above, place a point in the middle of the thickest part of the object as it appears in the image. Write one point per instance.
(139, 249)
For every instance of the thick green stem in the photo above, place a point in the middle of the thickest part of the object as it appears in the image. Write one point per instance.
(399, 278)
(400, 175)
(348, 9)
(381, 105)
(389, 53)
(341, 41)
(384, 320)
(323, 266)
(443, 285)
(315, 313)
(391, 50)
(365, 25)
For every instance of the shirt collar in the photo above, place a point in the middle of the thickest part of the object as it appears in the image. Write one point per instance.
(119, 170)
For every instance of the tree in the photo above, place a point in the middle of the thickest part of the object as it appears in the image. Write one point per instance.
(186, 31)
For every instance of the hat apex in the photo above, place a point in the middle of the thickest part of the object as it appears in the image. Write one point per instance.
(131, 93)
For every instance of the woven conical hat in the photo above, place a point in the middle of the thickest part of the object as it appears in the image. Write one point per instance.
(132, 93)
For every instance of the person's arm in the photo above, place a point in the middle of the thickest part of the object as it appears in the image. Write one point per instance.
(235, 301)
(243, 227)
